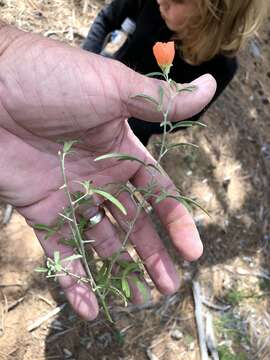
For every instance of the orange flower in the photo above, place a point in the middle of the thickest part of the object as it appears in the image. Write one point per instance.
(164, 53)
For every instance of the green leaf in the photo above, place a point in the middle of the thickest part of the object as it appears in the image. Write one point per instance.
(86, 184)
(73, 257)
(178, 198)
(58, 268)
(112, 199)
(125, 287)
(102, 275)
(189, 88)
(131, 268)
(142, 288)
(69, 242)
(83, 223)
(120, 157)
(56, 257)
(161, 197)
(195, 203)
(173, 85)
(185, 203)
(182, 199)
(42, 227)
(185, 124)
(119, 293)
(157, 167)
(68, 145)
(156, 73)
(166, 123)
(146, 97)
(172, 146)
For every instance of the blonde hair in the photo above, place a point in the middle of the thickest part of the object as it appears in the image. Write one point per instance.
(220, 27)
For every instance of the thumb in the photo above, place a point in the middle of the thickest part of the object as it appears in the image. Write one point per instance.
(185, 105)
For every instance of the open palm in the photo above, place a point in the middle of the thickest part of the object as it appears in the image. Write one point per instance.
(51, 92)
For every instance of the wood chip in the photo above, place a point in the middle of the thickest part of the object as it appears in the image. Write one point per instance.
(37, 323)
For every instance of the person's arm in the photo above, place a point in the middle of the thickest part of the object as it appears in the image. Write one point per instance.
(109, 18)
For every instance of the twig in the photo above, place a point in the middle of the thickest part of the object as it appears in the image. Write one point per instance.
(9, 285)
(199, 319)
(44, 318)
(15, 303)
(132, 308)
(210, 337)
(7, 214)
(45, 300)
(57, 335)
(85, 6)
(214, 306)
(150, 355)
(244, 272)
(3, 312)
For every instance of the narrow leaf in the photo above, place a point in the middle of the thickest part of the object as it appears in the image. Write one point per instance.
(142, 288)
(68, 145)
(56, 257)
(161, 197)
(119, 293)
(166, 123)
(187, 123)
(156, 167)
(125, 287)
(156, 73)
(146, 97)
(112, 199)
(120, 157)
(172, 146)
(73, 257)
(131, 268)
(187, 88)
(69, 242)
(185, 203)
(195, 203)
(42, 227)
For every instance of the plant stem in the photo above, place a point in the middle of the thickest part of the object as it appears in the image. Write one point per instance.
(77, 236)
(165, 116)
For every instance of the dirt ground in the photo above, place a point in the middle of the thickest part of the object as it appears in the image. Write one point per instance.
(230, 176)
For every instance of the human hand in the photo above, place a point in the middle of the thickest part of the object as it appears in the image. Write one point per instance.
(50, 91)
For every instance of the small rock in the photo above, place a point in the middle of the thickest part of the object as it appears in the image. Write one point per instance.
(254, 49)
(187, 276)
(176, 334)
(67, 353)
(150, 355)
(105, 339)
(265, 101)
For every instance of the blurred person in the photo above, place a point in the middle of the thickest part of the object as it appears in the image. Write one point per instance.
(207, 33)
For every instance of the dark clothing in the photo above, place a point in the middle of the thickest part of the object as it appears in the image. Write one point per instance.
(137, 52)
